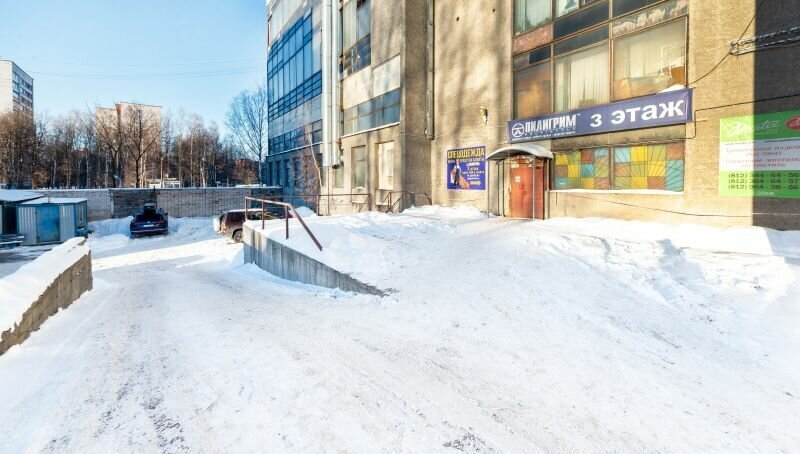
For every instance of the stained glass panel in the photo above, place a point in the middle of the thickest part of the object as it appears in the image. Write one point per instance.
(659, 167)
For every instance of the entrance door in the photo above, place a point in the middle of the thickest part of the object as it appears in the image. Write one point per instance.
(47, 225)
(521, 200)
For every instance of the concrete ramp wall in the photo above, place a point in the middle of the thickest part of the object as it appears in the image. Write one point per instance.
(39, 289)
(287, 263)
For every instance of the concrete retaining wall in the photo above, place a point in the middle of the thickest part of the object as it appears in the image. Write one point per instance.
(61, 293)
(287, 263)
(184, 202)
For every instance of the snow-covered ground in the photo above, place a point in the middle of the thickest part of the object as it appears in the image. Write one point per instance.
(499, 336)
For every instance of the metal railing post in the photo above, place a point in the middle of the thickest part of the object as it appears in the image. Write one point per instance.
(286, 217)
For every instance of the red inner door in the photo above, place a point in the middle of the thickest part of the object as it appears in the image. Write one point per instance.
(521, 203)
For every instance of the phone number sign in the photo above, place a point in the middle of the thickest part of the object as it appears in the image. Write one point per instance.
(759, 155)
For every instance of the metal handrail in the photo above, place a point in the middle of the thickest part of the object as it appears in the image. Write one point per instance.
(319, 197)
(286, 208)
(403, 194)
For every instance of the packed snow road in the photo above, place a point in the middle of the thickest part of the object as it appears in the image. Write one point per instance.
(563, 340)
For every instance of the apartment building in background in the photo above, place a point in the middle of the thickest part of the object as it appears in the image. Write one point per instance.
(16, 89)
(665, 110)
(135, 129)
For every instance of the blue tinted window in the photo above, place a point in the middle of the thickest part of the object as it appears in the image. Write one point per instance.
(585, 18)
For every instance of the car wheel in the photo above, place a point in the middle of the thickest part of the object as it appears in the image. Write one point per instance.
(237, 236)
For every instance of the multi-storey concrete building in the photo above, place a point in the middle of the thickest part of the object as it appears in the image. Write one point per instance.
(16, 89)
(669, 110)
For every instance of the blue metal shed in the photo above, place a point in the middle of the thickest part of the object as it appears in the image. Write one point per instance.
(48, 220)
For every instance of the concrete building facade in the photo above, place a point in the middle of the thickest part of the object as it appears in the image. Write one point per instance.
(584, 57)
(667, 110)
(16, 89)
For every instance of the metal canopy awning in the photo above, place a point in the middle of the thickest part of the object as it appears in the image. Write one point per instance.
(520, 150)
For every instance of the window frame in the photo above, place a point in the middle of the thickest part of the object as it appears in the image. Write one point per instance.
(355, 163)
(684, 18)
(609, 43)
(612, 164)
(381, 157)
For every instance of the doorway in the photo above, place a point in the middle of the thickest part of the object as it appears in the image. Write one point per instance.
(521, 177)
(47, 224)
(520, 187)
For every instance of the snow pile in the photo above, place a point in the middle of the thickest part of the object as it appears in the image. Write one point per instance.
(569, 334)
(121, 226)
(745, 240)
(114, 234)
(21, 289)
(305, 212)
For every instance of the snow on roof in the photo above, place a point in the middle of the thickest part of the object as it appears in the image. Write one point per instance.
(53, 200)
(14, 195)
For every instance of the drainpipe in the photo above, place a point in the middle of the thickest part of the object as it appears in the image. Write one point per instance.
(328, 83)
(430, 8)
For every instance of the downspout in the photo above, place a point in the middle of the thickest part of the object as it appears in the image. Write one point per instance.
(330, 87)
(430, 8)
(327, 87)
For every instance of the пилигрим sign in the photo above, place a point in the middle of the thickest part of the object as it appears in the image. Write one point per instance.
(663, 109)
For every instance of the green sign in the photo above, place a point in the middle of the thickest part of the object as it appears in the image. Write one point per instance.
(759, 155)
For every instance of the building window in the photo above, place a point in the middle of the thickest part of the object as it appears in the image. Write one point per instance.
(386, 165)
(356, 25)
(359, 167)
(657, 167)
(379, 111)
(649, 56)
(582, 79)
(650, 167)
(529, 14)
(532, 93)
(650, 61)
(338, 176)
(566, 6)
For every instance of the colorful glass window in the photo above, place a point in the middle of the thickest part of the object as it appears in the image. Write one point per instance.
(659, 167)
(649, 167)
(584, 169)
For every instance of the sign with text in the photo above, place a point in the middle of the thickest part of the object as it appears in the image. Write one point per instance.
(466, 168)
(673, 107)
(759, 155)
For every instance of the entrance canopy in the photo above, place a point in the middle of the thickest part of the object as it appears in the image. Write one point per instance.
(520, 150)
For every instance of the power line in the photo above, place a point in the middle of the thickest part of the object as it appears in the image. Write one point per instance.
(152, 76)
(141, 65)
(719, 63)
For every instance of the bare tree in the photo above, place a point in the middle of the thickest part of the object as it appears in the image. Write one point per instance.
(307, 174)
(111, 140)
(247, 121)
(142, 131)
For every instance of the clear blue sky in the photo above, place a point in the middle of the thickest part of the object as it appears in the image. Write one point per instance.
(87, 52)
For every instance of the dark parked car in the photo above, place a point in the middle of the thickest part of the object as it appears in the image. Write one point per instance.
(151, 221)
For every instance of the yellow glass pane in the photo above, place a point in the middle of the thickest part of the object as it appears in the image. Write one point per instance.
(638, 182)
(639, 154)
(574, 171)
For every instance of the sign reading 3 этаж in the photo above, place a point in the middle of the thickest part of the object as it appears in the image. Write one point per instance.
(759, 155)
(663, 109)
